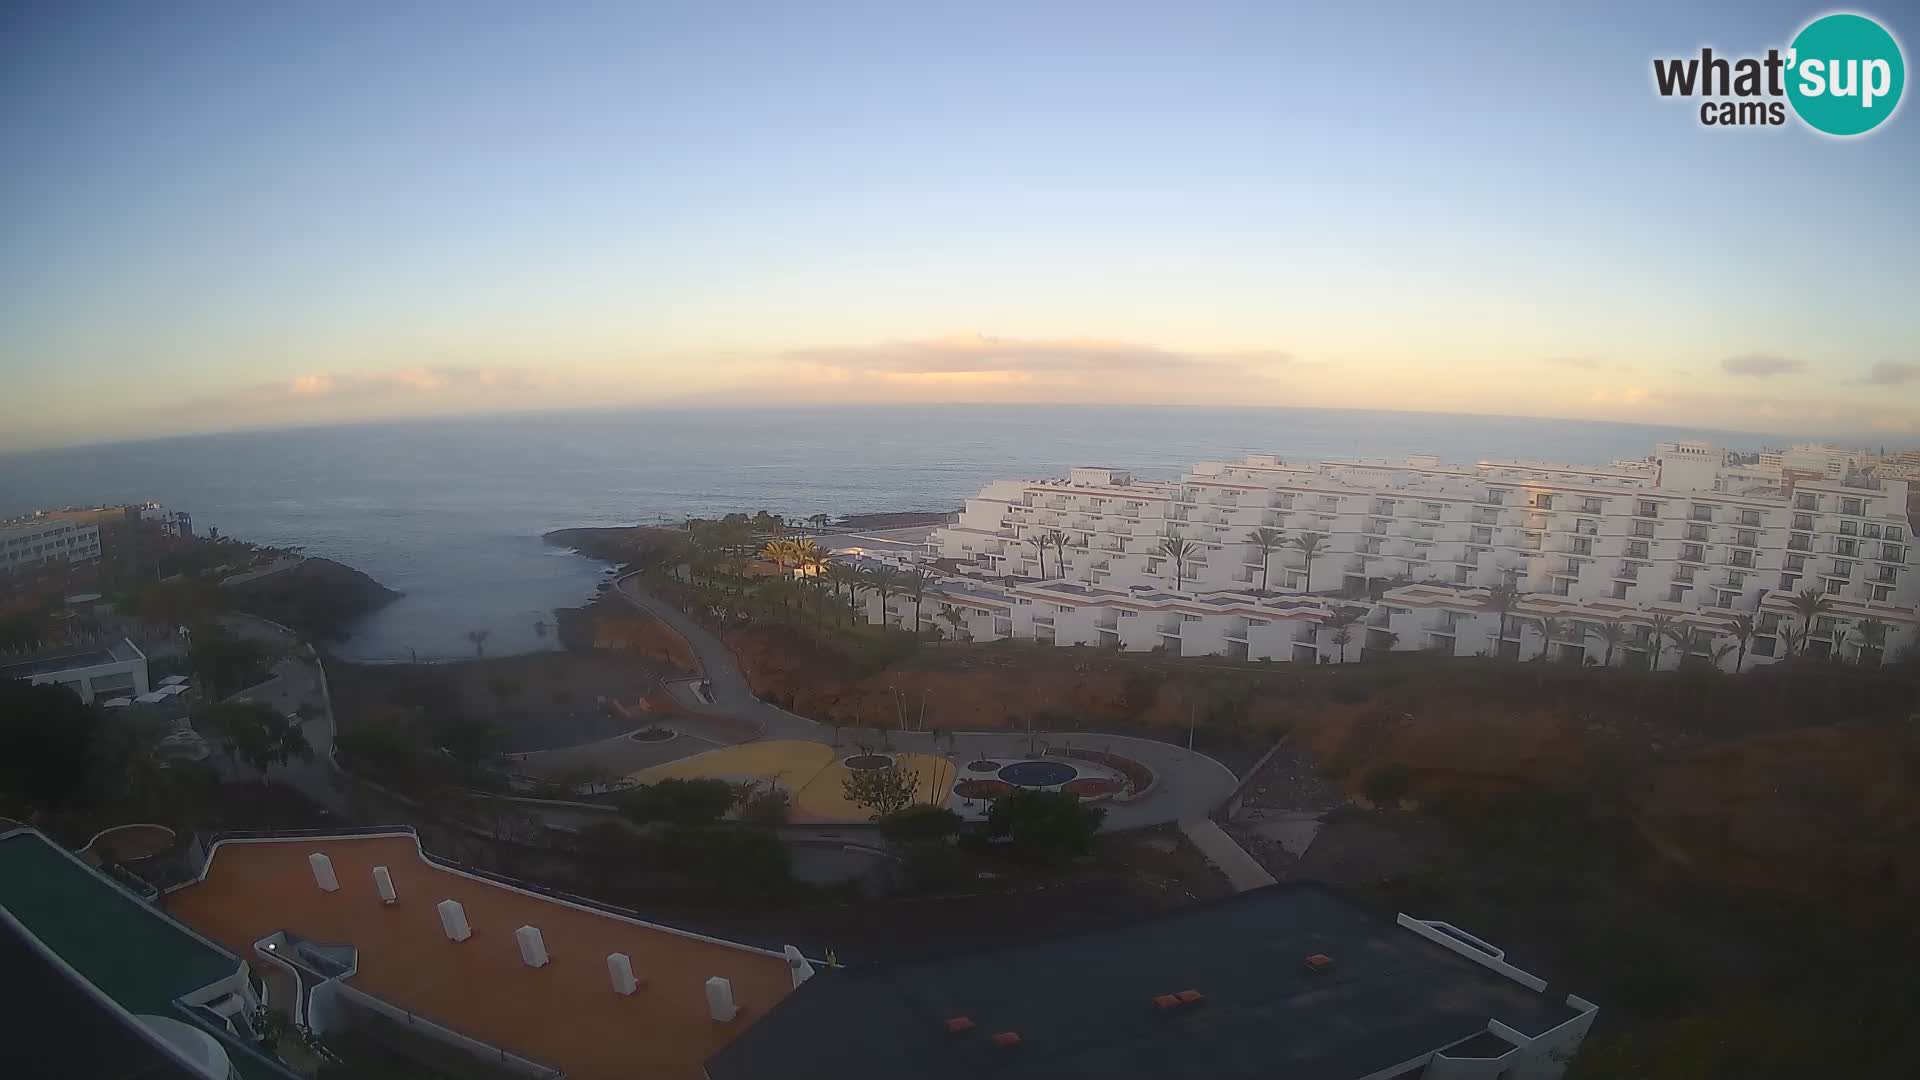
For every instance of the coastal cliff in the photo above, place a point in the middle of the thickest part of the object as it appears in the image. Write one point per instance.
(319, 598)
(620, 544)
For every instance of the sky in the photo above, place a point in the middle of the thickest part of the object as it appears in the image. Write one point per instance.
(218, 216)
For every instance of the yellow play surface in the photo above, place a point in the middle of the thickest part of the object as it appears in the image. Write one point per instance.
(810, 772)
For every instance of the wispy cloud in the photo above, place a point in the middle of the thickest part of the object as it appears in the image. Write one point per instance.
(1893, 374)
(1760, 365)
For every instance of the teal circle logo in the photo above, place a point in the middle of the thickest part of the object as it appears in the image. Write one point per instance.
(1845, 74)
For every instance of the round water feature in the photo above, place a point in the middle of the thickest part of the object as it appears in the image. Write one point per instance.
(1038, 773)
(863, 762)
(983, 765)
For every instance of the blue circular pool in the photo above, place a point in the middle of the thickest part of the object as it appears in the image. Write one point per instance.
(1038, 773)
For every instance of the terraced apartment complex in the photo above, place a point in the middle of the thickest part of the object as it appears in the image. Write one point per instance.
(1408, 555)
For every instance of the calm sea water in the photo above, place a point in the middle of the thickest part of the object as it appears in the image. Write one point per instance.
(451, 511)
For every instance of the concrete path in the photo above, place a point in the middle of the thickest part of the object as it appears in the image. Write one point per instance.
(297, 681)
(1242, 870)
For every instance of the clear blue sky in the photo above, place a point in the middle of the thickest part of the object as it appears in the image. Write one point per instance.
(230, 214)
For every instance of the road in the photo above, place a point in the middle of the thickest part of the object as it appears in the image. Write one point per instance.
(1190, 784)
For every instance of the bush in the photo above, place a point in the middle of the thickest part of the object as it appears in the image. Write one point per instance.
(920, 823)
(726, 862)
(681, 802)
(1387, 784)
(1045, 826)
(765, 806)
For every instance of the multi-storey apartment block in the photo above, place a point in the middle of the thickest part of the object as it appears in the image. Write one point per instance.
(35, 542)
(1414, 549)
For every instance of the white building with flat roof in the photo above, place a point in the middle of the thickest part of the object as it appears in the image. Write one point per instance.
(1683, 536)
(36, 542)
(102, 669)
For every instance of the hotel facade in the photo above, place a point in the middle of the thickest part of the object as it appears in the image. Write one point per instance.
(1411, 551)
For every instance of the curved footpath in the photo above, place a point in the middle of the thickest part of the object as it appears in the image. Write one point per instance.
(1189, 784)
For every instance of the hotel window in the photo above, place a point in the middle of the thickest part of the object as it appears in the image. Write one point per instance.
(1807, 502)
(1849, 528)
(1645, 528)
(1744, 538)
(1728, 599)
(1873, 531)
(1694, 532)
(1543, 502)
(1692, 553)
(1743, 558)
(1750, 518)
(1800, 542)
(1648, 509)
(1636, 550)
(1796, 562)
(1677, 594)
(1893, 533)
(1833, 585)
(1431, 510)
(1843, 546)
(1842, 568)
(1851, 506)
(1619, 590)
(1881, 592)
(1590, 506)
(1803, 522)
(1703, 513)
(1788, 581)
(1583, 546)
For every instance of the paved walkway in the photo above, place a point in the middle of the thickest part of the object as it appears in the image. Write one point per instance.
(1189, 784)
(1242, 870)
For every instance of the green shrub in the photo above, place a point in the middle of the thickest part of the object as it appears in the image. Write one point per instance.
(1045, 826)
(920, 823)
(929, 866)
(681, 802)
(765, 806)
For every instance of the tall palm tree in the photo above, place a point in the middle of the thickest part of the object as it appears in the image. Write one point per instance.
(1268, 541)
(1309, 544)
(1873, 637)
(781, 553)
(1686, 639)
(914, 583)
(1549, 628)
(1501, 598)
(1342, 622)
(1059, 541)
(1742, 633)
(1038, 541)
(1659, 627)
(1610, 631)
(886, 581)
(856, 579)
(1342, 637)
(819, 521)
(479, 639)
(1809, 604)
(1179, 551)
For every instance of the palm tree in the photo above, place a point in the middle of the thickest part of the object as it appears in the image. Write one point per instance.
(1742, 632)
(1309, 543)
(1179, 551)
(1059, 541)
(1268, 541)
(956, 620)
(479, 639)
(1342, 622)
(779, 552)
(886, 581)
(1809, 604)
(1501, 598)
(1685, 638)
(914, 583)
(1660, 626)
(1550, 628)
(843, 576)
(1873, 637)
(1038, 541)
(1610, 631)
(819, 521)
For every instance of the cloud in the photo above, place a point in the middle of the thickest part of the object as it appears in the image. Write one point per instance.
(1760, 365)
(978, 353)
(1890, 374)
(419, 381)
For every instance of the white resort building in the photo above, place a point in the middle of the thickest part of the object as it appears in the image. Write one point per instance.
(1411, 553)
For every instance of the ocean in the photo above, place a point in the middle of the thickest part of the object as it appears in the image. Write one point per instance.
(451, 511)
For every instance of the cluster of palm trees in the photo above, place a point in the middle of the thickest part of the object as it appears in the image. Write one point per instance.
(1696, 642)
(1181, 552)
(1040, 541)
(824, 575)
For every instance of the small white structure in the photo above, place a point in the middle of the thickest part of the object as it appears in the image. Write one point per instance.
(383, 883)
(323, 872)
(533, 948)
(453, 919)
(800, 966)
(620, 970)
(720, 1004)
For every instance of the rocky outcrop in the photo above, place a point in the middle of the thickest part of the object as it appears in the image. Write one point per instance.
(319, 598)
(617, 625)
(622, 544)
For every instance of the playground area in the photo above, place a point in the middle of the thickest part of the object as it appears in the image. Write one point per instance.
(810, 772)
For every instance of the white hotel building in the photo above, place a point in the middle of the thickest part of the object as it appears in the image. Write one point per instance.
(1682, 534)
(34, 542)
